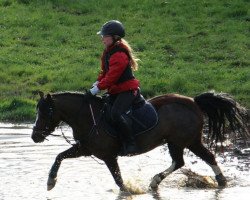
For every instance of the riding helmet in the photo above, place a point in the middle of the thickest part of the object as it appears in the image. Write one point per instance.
(112, 27)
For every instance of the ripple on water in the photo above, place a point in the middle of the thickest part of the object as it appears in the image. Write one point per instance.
(24, 168)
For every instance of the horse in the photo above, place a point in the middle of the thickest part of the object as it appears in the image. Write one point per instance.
(180, 126)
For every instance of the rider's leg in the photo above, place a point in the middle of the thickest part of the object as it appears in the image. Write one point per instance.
(123, 123)
(125, 126)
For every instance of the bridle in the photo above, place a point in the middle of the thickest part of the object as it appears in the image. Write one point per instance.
(49, 129)
(48, 118)
(48, 121)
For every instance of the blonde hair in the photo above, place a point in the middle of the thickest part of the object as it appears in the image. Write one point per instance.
(133, 59)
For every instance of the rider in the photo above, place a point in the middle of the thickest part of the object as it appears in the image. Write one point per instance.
(116, 76)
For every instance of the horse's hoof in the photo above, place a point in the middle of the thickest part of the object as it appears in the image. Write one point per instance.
(222, 181)
(153, 186)
(123, 189)
(155, 182)
(51, 183)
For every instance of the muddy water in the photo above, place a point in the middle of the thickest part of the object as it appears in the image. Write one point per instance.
(24, 168)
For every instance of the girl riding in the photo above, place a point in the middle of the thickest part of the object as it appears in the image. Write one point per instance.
(117, 64)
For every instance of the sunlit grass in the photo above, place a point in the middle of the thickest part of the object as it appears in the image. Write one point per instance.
(185, 47)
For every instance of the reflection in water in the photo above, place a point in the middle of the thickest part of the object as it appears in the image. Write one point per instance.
(24, 168)
(217, 194)
(156, 195)
(124, 196)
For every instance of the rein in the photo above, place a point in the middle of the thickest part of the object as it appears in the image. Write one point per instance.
(96, 122)
(62, 135)
(93, 118)
(69, 142)
(48, 131)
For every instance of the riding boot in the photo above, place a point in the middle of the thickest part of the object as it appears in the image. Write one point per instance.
(125, 127)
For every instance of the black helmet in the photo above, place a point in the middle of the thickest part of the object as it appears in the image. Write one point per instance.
(112, 27)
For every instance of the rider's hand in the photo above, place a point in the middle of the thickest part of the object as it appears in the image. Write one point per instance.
(91, 93)
(94, 90)
(88, 95)
(95, 83)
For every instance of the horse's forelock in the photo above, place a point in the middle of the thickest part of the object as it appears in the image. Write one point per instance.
(42, 105)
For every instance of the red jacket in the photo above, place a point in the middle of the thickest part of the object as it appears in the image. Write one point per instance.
(117, 64)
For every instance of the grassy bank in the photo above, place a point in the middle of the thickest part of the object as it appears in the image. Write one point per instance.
(185, 47)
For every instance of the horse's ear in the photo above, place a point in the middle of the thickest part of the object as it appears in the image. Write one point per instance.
(41, 94)
(49, 96)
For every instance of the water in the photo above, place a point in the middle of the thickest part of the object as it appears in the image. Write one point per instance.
(24, 168)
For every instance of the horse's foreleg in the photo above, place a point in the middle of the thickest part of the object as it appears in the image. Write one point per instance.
(72, 152)
(177, 155)
(115, 171)
(199, 150)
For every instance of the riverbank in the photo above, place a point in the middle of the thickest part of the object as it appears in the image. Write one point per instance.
(185, 47)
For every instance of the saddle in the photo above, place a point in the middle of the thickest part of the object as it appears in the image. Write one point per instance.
(142, 114)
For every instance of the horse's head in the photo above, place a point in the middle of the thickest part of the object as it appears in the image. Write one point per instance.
(47, 118)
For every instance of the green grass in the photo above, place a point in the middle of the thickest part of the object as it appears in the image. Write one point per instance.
(185, 47)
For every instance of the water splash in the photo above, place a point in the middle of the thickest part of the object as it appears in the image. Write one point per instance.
(134, 188)
(195, 180)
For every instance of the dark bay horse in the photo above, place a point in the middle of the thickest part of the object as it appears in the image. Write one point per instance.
(180, 126)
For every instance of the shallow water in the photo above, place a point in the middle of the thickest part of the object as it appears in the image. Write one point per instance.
(24, 168)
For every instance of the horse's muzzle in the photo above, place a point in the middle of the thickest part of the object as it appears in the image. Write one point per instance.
(37, 136)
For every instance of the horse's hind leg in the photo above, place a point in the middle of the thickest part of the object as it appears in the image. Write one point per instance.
(72, 152)
(176, 153)
(199, 150)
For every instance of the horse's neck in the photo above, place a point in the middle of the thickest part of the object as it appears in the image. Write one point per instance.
(69, 107)
(75, 111)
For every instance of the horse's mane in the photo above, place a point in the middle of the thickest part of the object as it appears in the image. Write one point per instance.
(69, 93)
(74, 94)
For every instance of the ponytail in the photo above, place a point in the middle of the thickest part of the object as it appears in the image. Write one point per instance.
(133, 58)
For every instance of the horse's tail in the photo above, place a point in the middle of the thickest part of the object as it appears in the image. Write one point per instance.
(222, 109)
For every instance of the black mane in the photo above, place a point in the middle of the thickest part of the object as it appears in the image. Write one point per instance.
(69, 93)
(74, 94)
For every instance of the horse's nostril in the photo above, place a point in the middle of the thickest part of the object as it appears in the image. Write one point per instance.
(36, 141)
(36, 137)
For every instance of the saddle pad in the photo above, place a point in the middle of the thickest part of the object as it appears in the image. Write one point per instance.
(144, 119)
